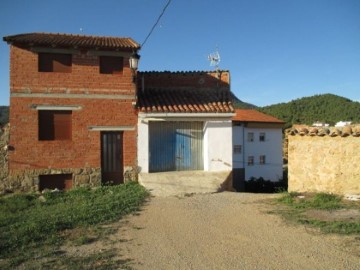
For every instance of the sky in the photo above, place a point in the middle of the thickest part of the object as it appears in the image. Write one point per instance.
(275, 50)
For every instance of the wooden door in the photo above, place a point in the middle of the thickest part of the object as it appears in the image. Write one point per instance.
(112, 157)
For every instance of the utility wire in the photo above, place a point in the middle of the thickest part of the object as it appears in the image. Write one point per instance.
(157, 21)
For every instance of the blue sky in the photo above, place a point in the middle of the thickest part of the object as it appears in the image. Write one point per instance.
(276, 50)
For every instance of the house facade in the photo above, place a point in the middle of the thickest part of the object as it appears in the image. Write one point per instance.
(73, 119)
(257, 147)
(185, 129)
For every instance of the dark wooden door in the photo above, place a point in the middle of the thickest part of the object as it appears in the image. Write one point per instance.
(112, 157)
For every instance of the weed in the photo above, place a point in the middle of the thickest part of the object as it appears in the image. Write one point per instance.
(27, 224)
(297, 207)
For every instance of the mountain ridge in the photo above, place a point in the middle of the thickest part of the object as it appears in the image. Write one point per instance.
(327, 108)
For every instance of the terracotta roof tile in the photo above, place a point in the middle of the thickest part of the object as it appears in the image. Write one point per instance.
(303, 130)
(185, 100)
(69, 40)
(244, 115)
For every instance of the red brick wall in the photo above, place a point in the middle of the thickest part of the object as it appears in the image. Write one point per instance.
(198, 80)
(84, 78)
(84, 148)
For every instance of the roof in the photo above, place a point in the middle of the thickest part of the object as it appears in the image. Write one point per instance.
(69, 40)
(163, 100)
(185, 79)
(243, 115)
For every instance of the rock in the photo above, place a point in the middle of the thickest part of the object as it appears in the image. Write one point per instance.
(352, 197)
(42, 199)
(82, 179)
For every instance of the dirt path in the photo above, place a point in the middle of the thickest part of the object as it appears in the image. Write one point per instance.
(226, 231)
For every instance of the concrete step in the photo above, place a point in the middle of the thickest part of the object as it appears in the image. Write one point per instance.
(185, 182)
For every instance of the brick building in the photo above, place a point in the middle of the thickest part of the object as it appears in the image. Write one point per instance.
(73, 116)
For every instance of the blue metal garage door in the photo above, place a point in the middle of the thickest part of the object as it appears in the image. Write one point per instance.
(175, 146)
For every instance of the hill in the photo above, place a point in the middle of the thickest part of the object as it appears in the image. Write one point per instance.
(327, 108)
(238, 104)
(4, 115)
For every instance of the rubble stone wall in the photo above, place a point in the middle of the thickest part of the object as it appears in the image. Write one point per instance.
(324, 164)
(4, 168)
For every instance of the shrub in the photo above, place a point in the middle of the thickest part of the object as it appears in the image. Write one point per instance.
(260, 185)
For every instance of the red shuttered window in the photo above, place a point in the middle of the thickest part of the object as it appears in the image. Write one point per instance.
(55, 125)
(111, 65)
(55, 62)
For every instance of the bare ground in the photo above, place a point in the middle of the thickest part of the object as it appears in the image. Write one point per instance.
(222, 231)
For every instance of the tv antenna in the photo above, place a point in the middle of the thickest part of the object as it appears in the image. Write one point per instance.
(214, 59)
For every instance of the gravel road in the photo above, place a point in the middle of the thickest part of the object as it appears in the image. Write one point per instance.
(226, 231)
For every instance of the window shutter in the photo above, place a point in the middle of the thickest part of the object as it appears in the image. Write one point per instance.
(55, 125)
(111, 65)
(55, 62)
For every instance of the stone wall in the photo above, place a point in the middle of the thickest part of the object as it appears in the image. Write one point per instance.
(4, 169)
(324, 160)
(28, 180)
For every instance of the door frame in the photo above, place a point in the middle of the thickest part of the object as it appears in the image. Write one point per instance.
(112, 171)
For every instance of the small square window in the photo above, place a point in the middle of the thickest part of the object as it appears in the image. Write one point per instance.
(55, 62)
(55, 125)
(262, 159)
(250, 137)
(53, 181)
(237, 149)
(250, 161)
(262, 137)
(111, 65)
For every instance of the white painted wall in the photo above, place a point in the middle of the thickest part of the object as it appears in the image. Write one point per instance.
(143, 145)
(271, 148)
(217, 144)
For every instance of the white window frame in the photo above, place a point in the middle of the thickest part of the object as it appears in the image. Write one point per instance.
(237, 149)
(262, 159)
(250, 161)
(250, 136)
(262, 137)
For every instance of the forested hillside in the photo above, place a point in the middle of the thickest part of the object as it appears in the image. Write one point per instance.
(327, 108)
(238, 104)
(4, 115)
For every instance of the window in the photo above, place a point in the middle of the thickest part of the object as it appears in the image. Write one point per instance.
(55, 62)
(262, 137)
(111, 65)
(250, 161)
(55, 125)
(237, 149)
(250, 137)
(262, 159)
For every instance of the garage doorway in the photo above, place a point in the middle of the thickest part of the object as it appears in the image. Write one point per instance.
(175, 146)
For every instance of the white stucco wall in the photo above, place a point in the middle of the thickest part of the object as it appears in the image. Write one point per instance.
(217, 144)
(271, 148)
(143, 145)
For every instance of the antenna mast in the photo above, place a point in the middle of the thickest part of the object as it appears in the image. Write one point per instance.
(214, 59)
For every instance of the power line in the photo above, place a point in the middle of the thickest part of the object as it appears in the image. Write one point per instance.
(157, 21)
